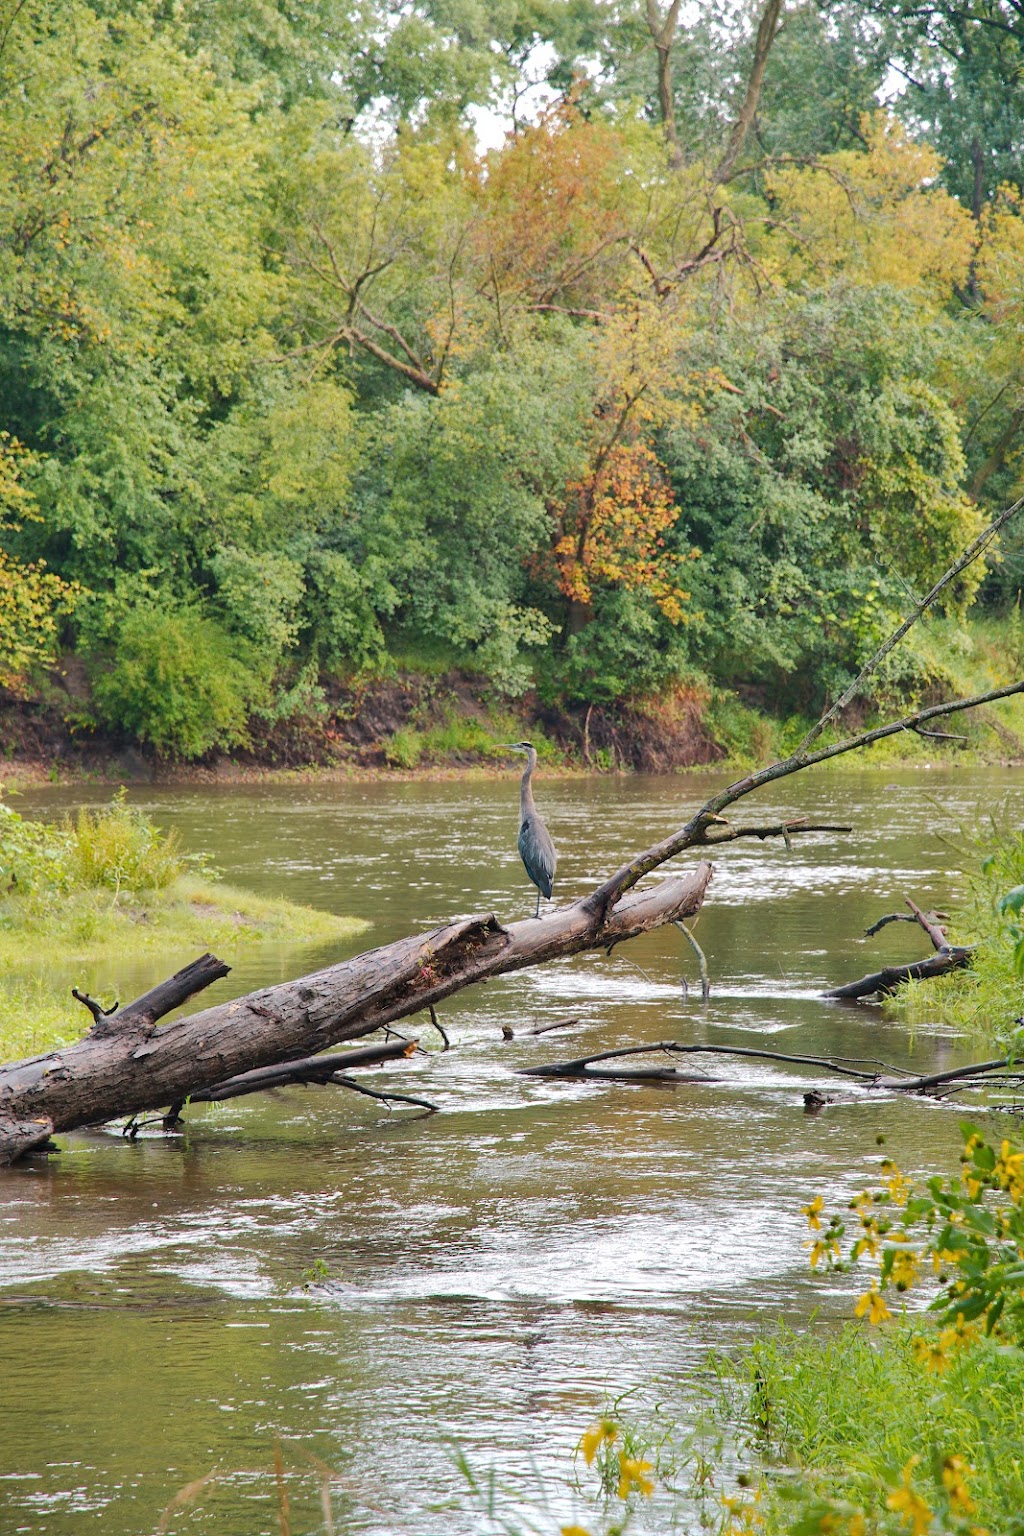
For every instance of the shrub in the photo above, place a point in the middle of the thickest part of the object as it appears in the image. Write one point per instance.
(120, 847)
(116, 847)
(404, 748)
(178, 683)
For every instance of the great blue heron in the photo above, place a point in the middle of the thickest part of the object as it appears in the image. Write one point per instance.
(536, 849)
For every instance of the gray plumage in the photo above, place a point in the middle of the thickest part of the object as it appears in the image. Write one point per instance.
(536, 849)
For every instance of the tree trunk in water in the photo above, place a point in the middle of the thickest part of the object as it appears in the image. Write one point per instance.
(124, 1066)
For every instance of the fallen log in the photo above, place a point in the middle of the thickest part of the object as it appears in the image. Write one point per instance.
(125, 1066)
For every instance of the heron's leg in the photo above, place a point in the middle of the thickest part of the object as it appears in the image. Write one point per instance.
(537, 913)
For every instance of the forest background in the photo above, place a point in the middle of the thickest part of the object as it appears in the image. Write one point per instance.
(674, 399)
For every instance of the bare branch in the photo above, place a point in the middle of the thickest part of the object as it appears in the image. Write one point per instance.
(700, 827)
(718, 831)
(898, 917)
(929, 922)
(306, 1069)
(385, 1098)
(899, 1081)
(96, 1009)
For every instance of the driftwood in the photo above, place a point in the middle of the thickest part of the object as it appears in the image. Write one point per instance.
(508, 1033)
(947, 957)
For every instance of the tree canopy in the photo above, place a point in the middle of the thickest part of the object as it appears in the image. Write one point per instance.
(694, 375)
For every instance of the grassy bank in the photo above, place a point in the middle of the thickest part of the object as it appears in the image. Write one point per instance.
(854, 1434)
(87, 892)
(985, 1001)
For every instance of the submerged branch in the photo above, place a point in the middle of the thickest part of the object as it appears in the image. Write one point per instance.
(947, 957)
(897, 1080)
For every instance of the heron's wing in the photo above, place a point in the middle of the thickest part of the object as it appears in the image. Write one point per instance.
(537, 852)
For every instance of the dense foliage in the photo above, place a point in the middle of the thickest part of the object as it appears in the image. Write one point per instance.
(694, 376)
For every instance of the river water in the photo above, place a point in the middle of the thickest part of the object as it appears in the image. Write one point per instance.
(377, 1293)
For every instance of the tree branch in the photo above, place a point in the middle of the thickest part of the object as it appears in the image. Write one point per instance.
(701, 824)
(766, 34)
(899, 1080)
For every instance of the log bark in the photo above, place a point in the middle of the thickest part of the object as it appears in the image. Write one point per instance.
(126, 1066)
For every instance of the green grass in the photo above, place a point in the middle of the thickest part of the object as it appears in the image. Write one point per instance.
(458, 736)
(80, 896)
(835, 1423)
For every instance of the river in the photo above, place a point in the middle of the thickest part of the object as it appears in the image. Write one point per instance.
(381, 1293)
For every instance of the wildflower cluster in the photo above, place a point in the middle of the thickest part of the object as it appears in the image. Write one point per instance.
(743, 1514)
(948, 1501)
(826, 1247)
(967, 1232)
(924, 1505)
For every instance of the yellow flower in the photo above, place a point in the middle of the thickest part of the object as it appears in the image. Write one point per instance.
(873, 1305)
(965, 1332)
(574, 1530)
(898, 1187)
(744, 1515)
(821, 1250)
(943, 1257)
(813, 1213)
(595, 1437)
(868, 1244)
(909, 1505)
(931, 1353)
(906, 1267)
(633, 1474)
(1009, 1170)
(955, 1472)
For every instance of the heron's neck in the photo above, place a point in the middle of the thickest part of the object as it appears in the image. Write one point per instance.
(526, 805)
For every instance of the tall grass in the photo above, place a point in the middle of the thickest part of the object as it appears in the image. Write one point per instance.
(118, 847)
(851, 1422)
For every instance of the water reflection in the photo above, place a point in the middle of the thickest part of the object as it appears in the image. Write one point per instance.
(488, 1274)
